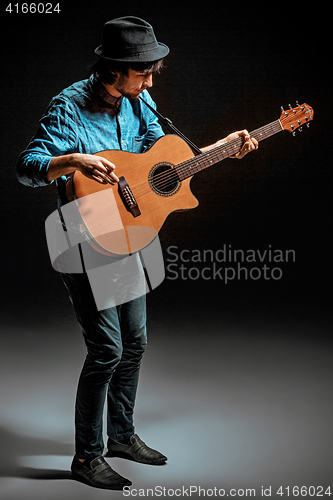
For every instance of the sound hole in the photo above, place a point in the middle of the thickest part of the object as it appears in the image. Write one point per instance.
(164, 180)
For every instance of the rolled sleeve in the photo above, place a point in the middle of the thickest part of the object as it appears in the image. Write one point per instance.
(56, 136)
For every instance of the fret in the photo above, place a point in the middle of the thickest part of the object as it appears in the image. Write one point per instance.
(197, 163)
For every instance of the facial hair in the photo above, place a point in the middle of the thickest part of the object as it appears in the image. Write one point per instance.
(121, 88)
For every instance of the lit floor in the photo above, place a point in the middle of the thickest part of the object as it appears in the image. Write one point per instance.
(234, 408)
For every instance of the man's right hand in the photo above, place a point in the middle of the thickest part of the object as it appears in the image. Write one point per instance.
(94, 167)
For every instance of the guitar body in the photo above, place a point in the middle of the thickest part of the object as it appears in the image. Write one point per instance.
(125, 218)
(107, 216)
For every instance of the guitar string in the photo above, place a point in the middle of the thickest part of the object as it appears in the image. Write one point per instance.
(217, 154)
(176, 173)
(171, 174)
(211, 157)
(167, 179)
(195, 164)
(183, 167)
(186, 168)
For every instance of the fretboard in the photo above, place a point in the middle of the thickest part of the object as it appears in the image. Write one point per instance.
(197, 163)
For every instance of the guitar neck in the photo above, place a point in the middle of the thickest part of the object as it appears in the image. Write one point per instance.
(219, 153)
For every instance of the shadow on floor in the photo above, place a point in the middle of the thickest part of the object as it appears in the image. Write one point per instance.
(14, 446)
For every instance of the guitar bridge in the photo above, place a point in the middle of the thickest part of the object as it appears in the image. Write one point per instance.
(128, 197)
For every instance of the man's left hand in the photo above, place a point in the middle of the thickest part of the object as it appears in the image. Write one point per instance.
(250, 143)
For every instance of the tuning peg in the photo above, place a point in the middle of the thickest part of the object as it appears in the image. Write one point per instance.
(300, 129)
(282, 108)
(293, 134)
(290, 106)
(307, 125)
(297, 103)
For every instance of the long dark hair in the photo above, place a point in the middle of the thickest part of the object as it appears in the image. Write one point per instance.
(106, 70)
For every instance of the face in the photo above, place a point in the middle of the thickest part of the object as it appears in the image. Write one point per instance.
(132, 85)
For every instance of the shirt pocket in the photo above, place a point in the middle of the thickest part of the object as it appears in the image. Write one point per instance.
(139, 143)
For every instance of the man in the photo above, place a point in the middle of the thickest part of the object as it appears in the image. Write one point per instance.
(105, 113)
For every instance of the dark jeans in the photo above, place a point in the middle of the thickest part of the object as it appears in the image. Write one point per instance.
(115, 339)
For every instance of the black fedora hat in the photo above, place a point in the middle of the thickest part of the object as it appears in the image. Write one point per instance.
(130, 39)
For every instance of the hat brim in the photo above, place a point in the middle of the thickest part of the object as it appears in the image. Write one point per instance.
(148, 56)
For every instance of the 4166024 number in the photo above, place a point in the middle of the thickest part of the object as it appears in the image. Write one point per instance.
(304, 491)
(33, 8)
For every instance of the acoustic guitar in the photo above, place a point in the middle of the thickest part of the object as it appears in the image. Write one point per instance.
(124, 218)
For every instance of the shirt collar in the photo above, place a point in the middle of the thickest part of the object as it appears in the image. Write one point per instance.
(108, 99)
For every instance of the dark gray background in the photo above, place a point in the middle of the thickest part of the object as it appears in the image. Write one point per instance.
(237, 380)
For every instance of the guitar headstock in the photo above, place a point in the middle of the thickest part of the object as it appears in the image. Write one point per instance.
(295, 118)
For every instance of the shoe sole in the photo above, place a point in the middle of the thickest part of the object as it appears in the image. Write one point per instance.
(126, 456)
(81, 479)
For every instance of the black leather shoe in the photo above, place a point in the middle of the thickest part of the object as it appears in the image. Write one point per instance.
(98, 474)
(135, 450)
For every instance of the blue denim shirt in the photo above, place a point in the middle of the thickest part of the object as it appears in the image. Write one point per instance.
(79, 121)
